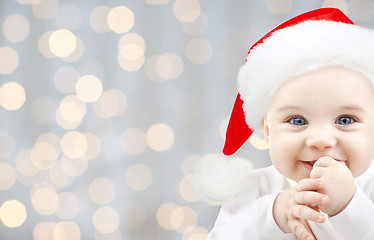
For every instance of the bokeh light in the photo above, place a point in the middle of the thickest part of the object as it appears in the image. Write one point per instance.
(44, 199)
(73, 166)
(131, 52)
(186, 189)
(131, 49)
(13, 213)
(151, 69)
(43, 45)
(93, 146)
(7, 145)
(199, 50)
(199, 233)
(16, 28)
(89, 88)
(102, 190)
(12, 95)
(187, 10)
(127, 60)
(59, 178)
(133, 141)
(169, 66)
(157, 2)
(66, 231)
(164, 213)
(7, 176)
(45, 9)
(62, 43)
(51, 138)
(164, 67)
(132, 39)
(8, 60)
(74, 144)
(183, 219)
(340, 4)
(44, 230)
(120, 19)
(44, 155)
(98, 19)
(77, 53)
(138, 177)
(70, 112)
(24, 164)
(68, 205)
(197, 27)
(189, 164)
(106, 219)
(111, 103)
(160, 137)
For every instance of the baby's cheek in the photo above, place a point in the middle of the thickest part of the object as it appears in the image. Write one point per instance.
(357, 169)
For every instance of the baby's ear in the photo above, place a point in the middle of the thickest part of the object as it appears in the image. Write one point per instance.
(265, 129)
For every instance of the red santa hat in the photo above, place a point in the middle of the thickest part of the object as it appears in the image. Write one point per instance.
(311, 41)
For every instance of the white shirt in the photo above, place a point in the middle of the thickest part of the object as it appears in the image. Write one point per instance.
(251, 218)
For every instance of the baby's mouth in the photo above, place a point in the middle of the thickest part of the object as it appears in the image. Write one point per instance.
(309, 165)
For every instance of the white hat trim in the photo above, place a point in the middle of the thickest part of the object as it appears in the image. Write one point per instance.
(219, 179)
(302, 48)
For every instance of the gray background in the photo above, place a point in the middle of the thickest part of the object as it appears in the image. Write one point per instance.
(128, 177)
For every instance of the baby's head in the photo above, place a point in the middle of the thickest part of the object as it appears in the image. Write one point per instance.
(308, 89)
(328, 112)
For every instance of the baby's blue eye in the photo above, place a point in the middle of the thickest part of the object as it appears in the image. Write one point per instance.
(298, 121)
(345, 120)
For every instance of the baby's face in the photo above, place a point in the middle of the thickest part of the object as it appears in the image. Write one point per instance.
(330, 113)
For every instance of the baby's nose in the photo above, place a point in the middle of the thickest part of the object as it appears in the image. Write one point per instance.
(321, 139)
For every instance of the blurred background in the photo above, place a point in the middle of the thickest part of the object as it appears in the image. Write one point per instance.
(106, 106)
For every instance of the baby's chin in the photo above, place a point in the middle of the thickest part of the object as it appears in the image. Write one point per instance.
(296, 174)
(298, 177)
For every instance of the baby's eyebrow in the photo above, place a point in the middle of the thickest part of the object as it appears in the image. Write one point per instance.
(352, 108)
(345, 107)
(287, 108)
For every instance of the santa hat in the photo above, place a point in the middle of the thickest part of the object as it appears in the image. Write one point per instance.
(311, 41)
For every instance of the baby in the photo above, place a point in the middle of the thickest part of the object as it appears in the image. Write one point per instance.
(307, 88)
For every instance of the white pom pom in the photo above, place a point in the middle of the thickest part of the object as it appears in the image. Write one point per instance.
(220, 179)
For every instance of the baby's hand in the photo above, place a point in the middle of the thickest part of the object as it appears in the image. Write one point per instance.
(296, 205)
(338, 184)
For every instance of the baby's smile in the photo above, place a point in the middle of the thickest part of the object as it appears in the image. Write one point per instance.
(309, 164)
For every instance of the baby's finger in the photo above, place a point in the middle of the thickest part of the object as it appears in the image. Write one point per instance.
(299, 230)
(310, 198)
(317, 172)
(309, 184)
(324, 162)
(305, 212)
